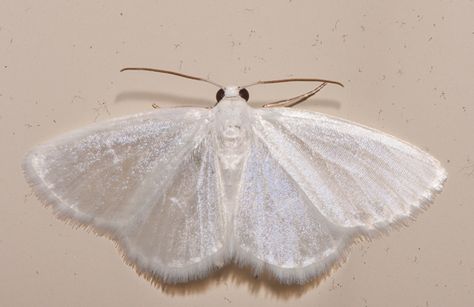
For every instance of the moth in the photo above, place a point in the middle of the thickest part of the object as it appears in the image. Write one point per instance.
(186, 190)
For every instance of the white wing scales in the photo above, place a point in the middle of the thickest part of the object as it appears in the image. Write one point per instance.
(356, 176)
(313, 183)
(148, 181)
(310, 184)
(180, 235)
(277, 228)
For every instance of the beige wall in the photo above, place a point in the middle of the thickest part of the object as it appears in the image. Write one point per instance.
(408, 69)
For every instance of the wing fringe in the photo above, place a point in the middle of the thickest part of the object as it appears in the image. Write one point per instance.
(319, 271)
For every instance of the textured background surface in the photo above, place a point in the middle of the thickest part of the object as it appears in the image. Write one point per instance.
(408, 71)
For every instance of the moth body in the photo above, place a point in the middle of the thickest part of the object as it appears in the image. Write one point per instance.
(186, 190)
(232, 133)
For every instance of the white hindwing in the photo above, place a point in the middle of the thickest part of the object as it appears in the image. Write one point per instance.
(277, 228)
(148, 181)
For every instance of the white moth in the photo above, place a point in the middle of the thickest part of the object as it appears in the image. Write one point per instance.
(184, 191)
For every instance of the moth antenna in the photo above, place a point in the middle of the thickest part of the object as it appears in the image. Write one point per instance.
(295, 100)
(294, 80)
(170, 72)
(298, 99)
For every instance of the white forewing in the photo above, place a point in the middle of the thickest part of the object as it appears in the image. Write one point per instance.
(355, 176)
(147, 180)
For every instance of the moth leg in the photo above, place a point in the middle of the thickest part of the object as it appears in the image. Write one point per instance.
(295, 100)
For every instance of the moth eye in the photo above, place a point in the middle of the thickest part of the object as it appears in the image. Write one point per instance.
(220, 94)
(244, 94)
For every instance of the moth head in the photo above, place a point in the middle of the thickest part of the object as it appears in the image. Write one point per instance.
(232, 91)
